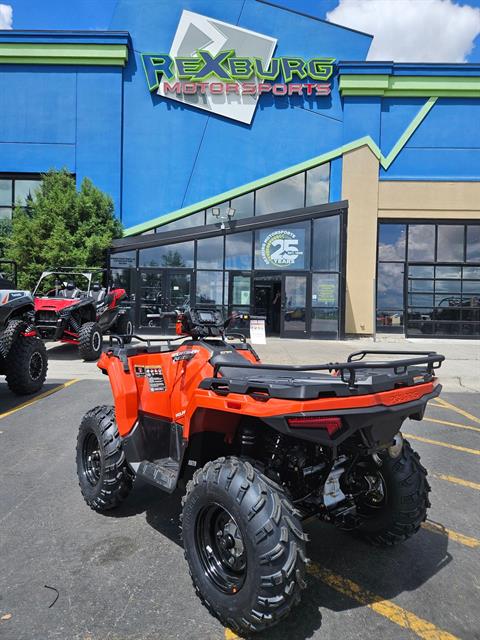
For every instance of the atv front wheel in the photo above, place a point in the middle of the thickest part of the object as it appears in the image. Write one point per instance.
(397, 506)
(124, 327)
(103, 474)
(90, 341)
(26, 365)
(244, 545)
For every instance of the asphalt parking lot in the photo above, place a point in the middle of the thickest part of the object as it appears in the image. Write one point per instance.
(123, 576)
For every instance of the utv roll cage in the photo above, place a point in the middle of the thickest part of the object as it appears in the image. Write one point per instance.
(12, 271)
(88, 274)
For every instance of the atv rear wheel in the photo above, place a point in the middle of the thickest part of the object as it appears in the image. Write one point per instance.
(103, 474)
(90, 341)
(124, 327)
(26, 365)
(397, 509)
(244, 545)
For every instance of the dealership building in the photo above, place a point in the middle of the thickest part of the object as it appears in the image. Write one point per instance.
(260, 164)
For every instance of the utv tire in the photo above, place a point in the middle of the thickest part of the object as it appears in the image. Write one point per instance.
(124, 327)
(244, 545)
(405, 503)
(103, 474)
(26, 365)
(90, 341)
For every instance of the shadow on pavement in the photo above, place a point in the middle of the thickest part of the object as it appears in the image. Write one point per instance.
(384, 572)
(9, 400)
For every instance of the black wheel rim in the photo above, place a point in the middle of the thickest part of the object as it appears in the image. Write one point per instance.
(96, 341)
(375, 498)
(91, 459)
(221, 548)
(35, 366)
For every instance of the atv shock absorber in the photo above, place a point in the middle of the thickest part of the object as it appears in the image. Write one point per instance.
(76, 326)
(247, 441)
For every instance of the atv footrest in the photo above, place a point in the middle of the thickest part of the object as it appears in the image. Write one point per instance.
(161, 473)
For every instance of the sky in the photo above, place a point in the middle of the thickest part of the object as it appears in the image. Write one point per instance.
(403, 30)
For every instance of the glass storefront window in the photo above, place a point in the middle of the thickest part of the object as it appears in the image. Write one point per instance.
(210, 253)
(193, 220)
(25, 190)
(421, 242)
(473, 243)
(326, 243)
(471, 272)
(391, 242)
(281, 196)
(284, 248)
(416, 271)
(172, 255)
(448, 272)
(6, 193)
(5, 213)
(325, 290)
(211, 219)
(243, 205)
(238, 251)
(318, 181)
(209, 287)
(240, 290)
(450, 243)
(124, 279)
(390, 286)
(123, 259)
(325, 321)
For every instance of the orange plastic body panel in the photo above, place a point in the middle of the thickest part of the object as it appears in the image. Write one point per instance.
(198, 409)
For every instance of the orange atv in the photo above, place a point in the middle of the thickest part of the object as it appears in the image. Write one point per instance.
(260, 448)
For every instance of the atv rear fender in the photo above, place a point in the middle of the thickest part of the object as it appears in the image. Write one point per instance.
(124, 392)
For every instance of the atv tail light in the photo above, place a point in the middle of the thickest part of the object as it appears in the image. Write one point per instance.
(329, 423)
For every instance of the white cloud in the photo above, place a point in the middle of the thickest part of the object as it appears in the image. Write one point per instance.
(412, 30)
(6, 15)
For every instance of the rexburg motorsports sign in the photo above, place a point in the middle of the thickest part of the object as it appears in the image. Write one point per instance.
(224, 69)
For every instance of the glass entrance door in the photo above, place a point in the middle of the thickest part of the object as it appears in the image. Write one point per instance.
(294, 306)
(150, 298)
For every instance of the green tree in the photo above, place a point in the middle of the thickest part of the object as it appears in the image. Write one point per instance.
(5, 236)
(62, 227)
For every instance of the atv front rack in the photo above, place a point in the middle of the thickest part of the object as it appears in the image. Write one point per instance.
(348, 372)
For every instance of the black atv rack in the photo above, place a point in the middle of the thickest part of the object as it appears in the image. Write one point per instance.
(353, 373)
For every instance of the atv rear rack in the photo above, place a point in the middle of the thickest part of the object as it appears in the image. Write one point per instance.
(347, 370)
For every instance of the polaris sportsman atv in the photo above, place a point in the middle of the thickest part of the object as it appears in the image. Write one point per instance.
(23, 357)
(71, 307)
(261, 447)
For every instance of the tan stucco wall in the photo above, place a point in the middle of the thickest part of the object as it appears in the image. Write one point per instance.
(370, 199)
(360, 188)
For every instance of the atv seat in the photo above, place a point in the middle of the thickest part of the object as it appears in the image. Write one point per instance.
(70, 291)
(97, 293)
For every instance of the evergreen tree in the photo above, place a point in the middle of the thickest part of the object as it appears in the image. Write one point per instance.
(62, 228)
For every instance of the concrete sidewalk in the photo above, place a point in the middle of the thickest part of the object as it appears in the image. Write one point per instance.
(460, 371)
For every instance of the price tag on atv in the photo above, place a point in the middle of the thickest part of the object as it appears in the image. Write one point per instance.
(257, 332)
(155, 379)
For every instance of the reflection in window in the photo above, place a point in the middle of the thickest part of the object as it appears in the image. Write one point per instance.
(421, 242)
(243, 206)
(25, 190)
(417, 271)
(391, 242)
(281, 196)
(450, 243)
(325, 321)
(209, 287)
(238, 251)
(326, 243)
(473, 243)
(240, 290)
(124, 279)
(448, 272)
(123, 259)
(193, 220)
(6, 193)
(318, 180)
(173, 255)
(211, 219)
(390, 286)
(5, 213)
(210, 253)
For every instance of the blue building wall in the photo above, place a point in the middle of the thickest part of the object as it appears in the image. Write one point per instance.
(154, 155)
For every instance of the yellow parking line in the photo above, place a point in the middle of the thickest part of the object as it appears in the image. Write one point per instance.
(463, 483)
(459, 410)
(39, 397)
(453, 424)
(467, 541)
(456, 447)
(403, 618)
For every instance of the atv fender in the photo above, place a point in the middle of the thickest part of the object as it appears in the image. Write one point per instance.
(124, 391)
